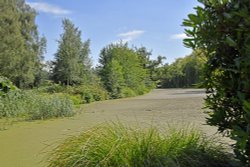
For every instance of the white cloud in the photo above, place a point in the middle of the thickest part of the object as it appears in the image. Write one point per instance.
(48, 8)
(179, 36)
(131, 35)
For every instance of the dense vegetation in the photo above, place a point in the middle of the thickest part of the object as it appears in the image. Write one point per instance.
(21, 48)
(32, 106)
(123, 72)
(6, 86)
(221, 29)
(28, 105)
(118, 145)
(184, 72)
(72, 65)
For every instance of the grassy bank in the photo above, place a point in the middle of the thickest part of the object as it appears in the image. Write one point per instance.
(118, 145)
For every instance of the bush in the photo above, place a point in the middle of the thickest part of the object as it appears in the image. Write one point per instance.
(117, 145)
(76, 99)
(52, 88)
(88, 93)
(32, 106)
(6, 86)
(127, 92)
(142, 90)
(79, 94)
(221, 29)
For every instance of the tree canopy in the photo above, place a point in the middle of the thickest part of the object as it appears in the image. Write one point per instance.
(122, 70)
(72, 64)
(20, 45)
(183, 72)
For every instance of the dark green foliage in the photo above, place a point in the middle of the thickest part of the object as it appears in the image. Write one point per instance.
(31, 106)
(117, 145)
(21, 48)
(51, 87)
(221, 29)
(6, 86)
(40, 73)
(122, 68)
(80, 94)
(184, 72)
(151, 66)
(88, 93)
(72, 64)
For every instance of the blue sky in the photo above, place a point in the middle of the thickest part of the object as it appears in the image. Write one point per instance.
(155, 24)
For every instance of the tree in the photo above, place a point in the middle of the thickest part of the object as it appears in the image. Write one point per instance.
(39, 64)
(115, 80)
(184, 72)
(72, 61)
(144, 56)
(121, 69)
(86, 63)
(20, 49)
(221, 29)
(149, 65)
(12, 43)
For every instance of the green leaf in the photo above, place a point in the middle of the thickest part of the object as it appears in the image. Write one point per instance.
(246, 105)
(189, 32)
(187, 23)
(230, 42)
(199, 11)
(194, 18)
(189, 42)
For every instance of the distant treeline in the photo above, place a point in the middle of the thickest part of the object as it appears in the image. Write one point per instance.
(184, 72)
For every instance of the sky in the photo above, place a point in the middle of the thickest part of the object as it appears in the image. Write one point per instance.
(155, 24)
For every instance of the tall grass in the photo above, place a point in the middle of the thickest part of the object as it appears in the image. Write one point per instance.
(32, 106)
(120, 146)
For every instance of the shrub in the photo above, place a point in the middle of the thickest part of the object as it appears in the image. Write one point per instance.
(221, 29)
(127, 92)
(32, 106)
(142, 90)
(117, 145)
(79, 94)
(76, 99)
(88, 93)
(6, 86)
(52, 88)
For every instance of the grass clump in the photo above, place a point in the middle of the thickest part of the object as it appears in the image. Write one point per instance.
(28, 105)
(118, 145)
